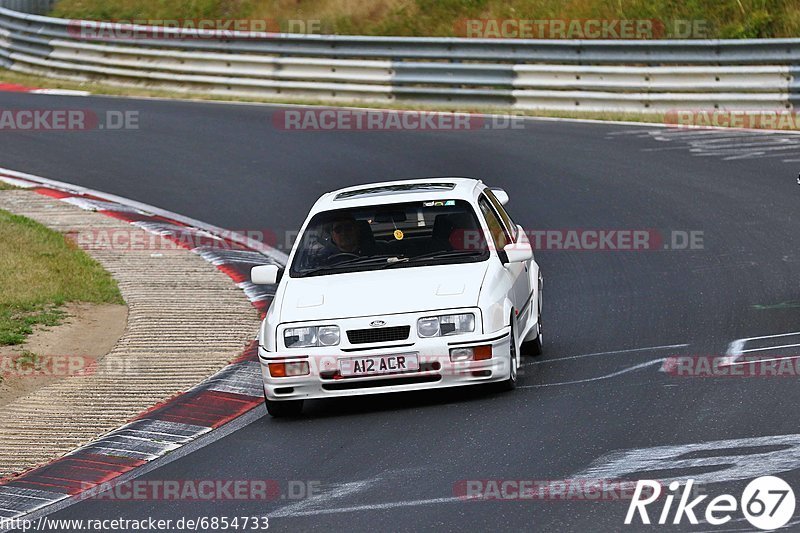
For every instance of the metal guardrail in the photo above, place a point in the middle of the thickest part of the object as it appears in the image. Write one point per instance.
(548, 74)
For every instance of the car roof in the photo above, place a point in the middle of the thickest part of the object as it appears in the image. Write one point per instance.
(399, 191)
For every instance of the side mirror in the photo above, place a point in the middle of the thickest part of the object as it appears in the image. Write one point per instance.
(266, 275)
(500, 194)
(516, 252)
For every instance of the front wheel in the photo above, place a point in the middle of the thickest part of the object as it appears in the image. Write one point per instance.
(285, 409)
(511, 383)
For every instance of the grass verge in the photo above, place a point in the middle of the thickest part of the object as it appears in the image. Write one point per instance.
(719, 19)
(40, 270)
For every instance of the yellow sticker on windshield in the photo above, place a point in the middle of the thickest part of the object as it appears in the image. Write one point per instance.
(398, 235)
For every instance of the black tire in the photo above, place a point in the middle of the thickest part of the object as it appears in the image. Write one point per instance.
(534, 347)
(511, 383)
(285, 409)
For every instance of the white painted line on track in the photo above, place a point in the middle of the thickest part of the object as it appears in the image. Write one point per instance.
(717, 461)
(371, 507)
(598, 378)
(732, 148)
(60, 92)
(771, 348)
(771, 336)
(767, 156)
(305, 507)
(736, 348)
(726, 140)
(723, 139)
(790, 358)
(613, 352)
(734, 351)
(750, 152)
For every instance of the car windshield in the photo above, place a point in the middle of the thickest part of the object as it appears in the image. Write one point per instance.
(390, 236)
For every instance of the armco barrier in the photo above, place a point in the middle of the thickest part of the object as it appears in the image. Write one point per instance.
(603, 75)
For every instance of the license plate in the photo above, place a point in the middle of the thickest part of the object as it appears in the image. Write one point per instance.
(379, 364)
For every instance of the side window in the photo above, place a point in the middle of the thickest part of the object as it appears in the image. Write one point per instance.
(503, 213)
(499, 235)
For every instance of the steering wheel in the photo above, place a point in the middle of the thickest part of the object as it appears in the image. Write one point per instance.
(337, 258)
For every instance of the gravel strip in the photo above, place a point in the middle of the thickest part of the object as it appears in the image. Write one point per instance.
(186, 321)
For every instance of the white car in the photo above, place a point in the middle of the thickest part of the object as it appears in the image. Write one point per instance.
(399, 286)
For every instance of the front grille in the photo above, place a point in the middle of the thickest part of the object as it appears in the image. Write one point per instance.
(365, 336)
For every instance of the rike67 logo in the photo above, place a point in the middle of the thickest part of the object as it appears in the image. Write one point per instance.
(767, 503)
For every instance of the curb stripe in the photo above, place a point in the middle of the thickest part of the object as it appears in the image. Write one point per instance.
(211, 408)
(232, 392)
(71, 475)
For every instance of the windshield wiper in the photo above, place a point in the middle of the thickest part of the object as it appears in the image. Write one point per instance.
(356, 261)
(366, 260)
(441, 254)
(390, 260)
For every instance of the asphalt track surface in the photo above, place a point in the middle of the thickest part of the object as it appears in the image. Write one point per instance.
(391, 462)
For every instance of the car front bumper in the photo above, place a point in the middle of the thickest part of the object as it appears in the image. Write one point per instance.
(436, 370)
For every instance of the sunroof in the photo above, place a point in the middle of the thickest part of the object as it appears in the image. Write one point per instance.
(396, 189)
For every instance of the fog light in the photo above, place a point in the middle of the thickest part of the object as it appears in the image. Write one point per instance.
(461, 354)
(288, 370)
(474, 353)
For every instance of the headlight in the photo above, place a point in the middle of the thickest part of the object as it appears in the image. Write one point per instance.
(328, 335)
(311, 336)
(441, 326)
(428, 327)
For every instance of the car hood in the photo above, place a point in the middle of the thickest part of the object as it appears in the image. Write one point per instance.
(382, 292)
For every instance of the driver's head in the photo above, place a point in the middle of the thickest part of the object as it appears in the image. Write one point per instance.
(344, 233)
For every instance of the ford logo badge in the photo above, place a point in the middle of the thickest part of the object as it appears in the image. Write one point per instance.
(377, 324)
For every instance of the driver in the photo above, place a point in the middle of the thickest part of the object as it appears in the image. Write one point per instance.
(345, 236)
